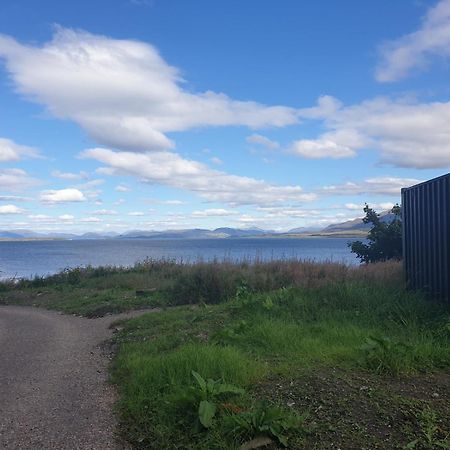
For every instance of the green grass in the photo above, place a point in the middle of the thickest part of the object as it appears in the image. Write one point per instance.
(283, 335)
(328, 355)
(95, 291)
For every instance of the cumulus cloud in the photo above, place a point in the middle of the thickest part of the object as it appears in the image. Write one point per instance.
(39, 217)
(214, 212)
(104, 212)
(10, 151)
(90, 220)
(289, 211)
(327, 106)
(16, 180)
(62, 196)
(170, 169)
(122, 92)
(414, 50)
(377, 186)
(384, 206)
(264, 141)
(70, 175)
(10, 209)
(407, 133)
(14, 198)
(171, 202)
(321, 148)
(66, 217)
(122, 188)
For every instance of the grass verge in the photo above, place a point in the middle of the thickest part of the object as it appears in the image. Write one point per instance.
(348, 364)
(95, 291)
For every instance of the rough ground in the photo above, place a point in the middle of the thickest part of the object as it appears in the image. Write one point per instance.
(54, 392)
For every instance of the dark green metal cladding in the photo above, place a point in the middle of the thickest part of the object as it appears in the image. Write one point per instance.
(426, 237)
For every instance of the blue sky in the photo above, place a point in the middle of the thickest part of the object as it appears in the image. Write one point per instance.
(135, 114)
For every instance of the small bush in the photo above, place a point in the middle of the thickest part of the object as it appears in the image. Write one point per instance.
(385, 237)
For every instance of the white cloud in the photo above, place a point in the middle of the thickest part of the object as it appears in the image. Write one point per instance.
(15, 180)
(414, 50)
(14, 198)
(259, 139)
(70, 175)
(88, 186)
(214, 212)
(170, 169)
(341, 143)
(104, 212)
(39, 217)
(407, 134)
(10, 151)
(62, 196)
(10, 209)
(321, 148)
(216, 160)
(122, 92)
(172, 202)
(327, 106)
(122, 188)
(90, 220)
(385, 206)
(273, 212)
(66, 217)
(377, 186)
(136, 213)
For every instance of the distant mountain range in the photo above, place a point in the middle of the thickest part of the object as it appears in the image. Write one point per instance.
(196, 233)
(351, 227)
(356, 224)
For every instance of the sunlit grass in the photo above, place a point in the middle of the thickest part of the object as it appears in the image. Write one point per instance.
(285, 333)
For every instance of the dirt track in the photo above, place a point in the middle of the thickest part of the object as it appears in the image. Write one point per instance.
(53, 382)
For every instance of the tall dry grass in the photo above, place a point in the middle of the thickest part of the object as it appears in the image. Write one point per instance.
(216, 282)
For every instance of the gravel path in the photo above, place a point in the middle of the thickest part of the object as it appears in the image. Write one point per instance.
(53, 381)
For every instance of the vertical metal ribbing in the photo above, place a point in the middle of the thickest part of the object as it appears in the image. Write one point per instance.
(438, 240)
(415, 239)
(414, 236)
(446, 233)
(432, 221)
(422, 262)
(426, 237)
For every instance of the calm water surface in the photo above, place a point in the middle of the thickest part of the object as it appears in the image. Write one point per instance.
(29, 258)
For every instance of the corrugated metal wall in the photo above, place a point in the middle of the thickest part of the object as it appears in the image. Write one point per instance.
(426, 237)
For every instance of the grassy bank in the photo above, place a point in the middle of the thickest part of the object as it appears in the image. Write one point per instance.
(93, 292)
(346, 365)
(286, 353)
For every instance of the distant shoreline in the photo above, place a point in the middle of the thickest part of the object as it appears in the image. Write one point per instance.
(24, 239)
(340, 234)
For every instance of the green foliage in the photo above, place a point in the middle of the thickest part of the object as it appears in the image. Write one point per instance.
(385, 238)
(431, 436)
(383, 355)
(210, 391)
(160, 405)
(231, 333)
(95, 291)
(263, 420)
(256, 339)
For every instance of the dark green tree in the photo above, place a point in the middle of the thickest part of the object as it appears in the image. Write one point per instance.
(385, 237)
